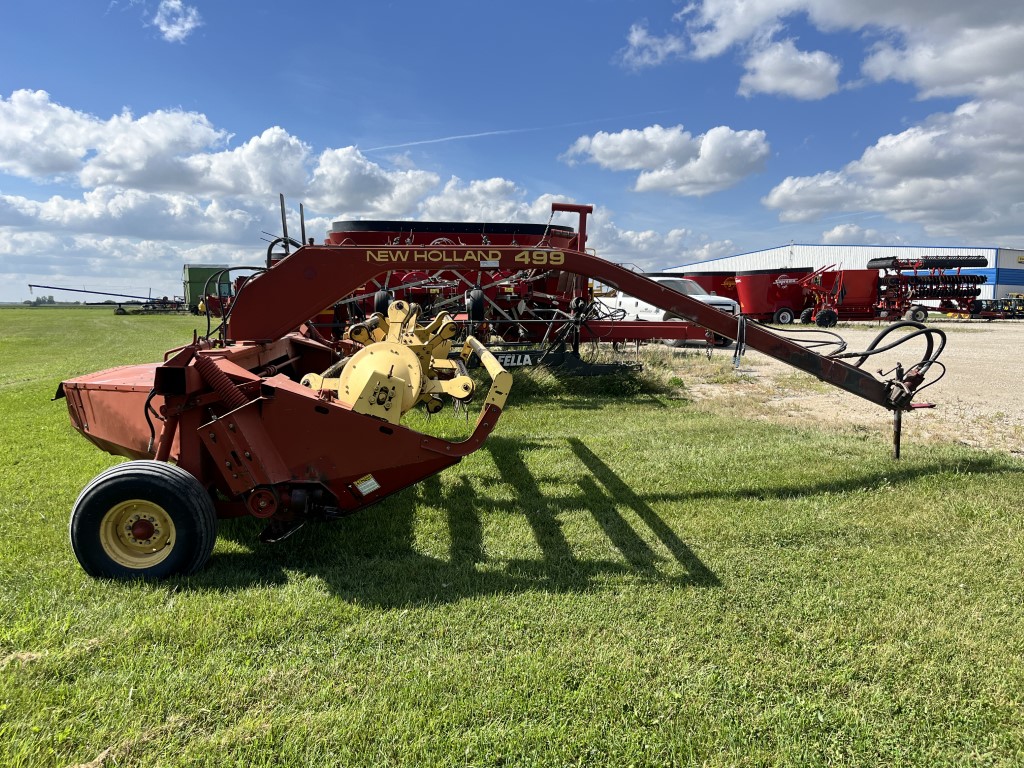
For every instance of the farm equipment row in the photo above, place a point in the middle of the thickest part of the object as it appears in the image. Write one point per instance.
(888, 288)
(271, 418)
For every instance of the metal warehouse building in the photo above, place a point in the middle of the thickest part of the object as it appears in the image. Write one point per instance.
(1004, 273)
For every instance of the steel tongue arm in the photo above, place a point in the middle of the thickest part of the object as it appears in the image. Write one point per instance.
(282, 299)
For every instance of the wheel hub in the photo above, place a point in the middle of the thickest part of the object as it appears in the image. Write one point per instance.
(137, 533)
(142, 530)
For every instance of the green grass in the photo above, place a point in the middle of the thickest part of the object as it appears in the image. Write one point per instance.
(614, 579)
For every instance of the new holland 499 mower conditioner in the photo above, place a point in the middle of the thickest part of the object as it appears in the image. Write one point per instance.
(276, 420)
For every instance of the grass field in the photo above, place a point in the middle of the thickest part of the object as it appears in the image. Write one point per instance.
(614, 579)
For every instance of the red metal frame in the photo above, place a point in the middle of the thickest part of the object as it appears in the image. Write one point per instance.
(316, 276)
(265, 445)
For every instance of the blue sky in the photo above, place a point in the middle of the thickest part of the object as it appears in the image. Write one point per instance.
(138, 135)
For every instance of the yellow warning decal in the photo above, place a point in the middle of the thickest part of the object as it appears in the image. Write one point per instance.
(366, 485)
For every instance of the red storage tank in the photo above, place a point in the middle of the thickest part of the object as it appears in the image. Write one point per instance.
(719, 283)
(773, 294)
(852, 293)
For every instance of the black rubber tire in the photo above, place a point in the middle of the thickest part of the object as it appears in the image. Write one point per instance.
(166, 487)
(676, 343)
(917, 314)
(827, 318)
(382, 301)
(807, 316)
(475, 306)
(783, 316)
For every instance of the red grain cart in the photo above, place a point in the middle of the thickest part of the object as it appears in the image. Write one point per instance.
(775, 295)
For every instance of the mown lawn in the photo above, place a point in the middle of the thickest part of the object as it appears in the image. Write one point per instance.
(614, 579)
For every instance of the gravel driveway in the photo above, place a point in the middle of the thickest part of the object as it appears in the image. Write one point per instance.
(979, 402)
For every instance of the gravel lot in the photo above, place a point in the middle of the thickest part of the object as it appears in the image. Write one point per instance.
(979, 402)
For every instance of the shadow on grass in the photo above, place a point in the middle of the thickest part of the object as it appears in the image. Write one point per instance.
(896, 474)
(371, 558)
(616, 527)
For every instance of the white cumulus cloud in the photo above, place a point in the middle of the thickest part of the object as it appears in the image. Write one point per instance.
(781, 69)
(40, 139)
(942, 47)
(138, 195)
(112, 211)
(956, 175)
(149, 152)
(673, 160)
(273, 162)
(169, 152)
(986, 61)
(854, 234)
(494, 199)
(345, 180)
(651, 250)
(169, 177)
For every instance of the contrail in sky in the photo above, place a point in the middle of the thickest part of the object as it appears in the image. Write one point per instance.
(451, 138)
(508, 131)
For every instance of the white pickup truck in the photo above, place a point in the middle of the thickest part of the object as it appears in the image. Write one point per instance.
(636, 309)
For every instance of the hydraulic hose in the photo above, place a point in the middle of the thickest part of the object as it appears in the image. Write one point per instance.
(931, 353)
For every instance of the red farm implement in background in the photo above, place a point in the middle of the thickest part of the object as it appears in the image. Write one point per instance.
(906, 288)
(515, 305)
(535, 312)
(772, 295)
(844, 294)
(909, 288)
(270, 418)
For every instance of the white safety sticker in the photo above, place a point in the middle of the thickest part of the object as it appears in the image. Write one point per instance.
(367, 485)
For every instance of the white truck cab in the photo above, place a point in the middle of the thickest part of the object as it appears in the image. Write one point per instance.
(636, 309)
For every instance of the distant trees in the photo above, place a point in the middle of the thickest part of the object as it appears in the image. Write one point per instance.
(46, 301)
(43, 301)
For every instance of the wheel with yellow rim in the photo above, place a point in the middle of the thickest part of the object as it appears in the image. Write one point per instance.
(143, 519)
